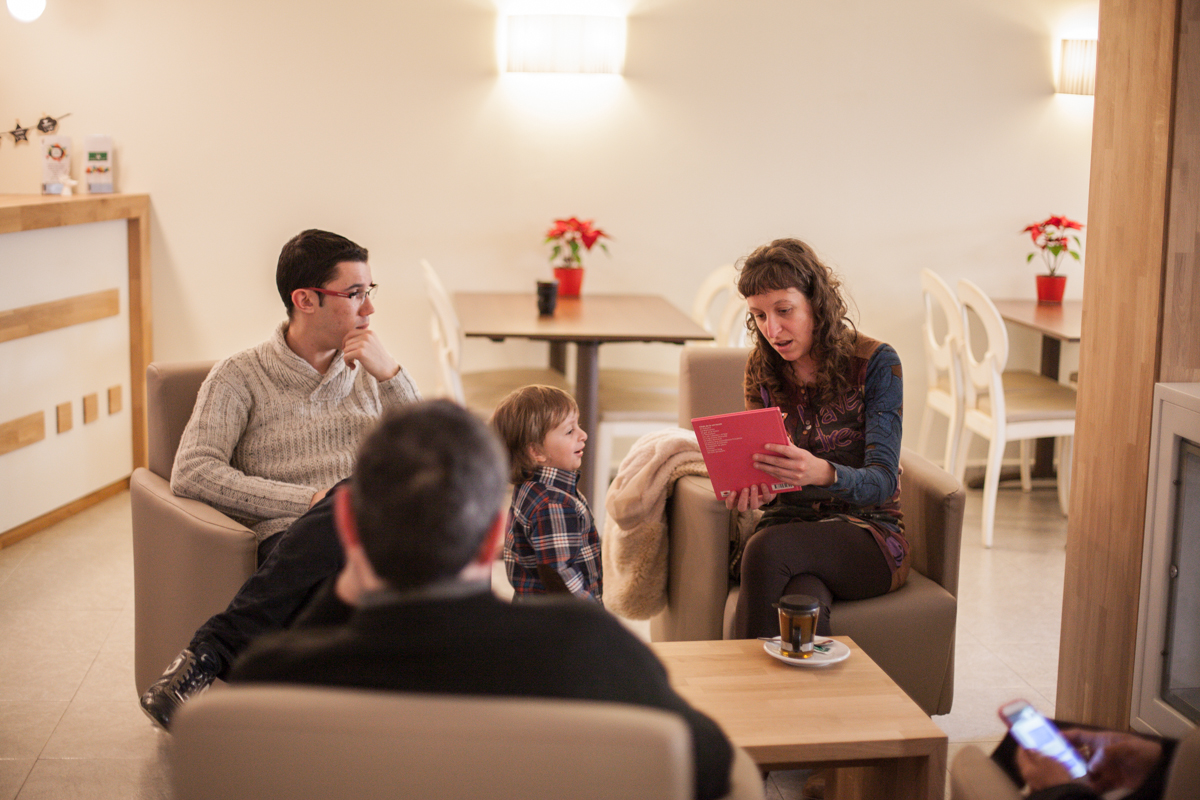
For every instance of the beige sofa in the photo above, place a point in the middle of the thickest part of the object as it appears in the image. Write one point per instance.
(974, 776)
(189, 559)
(909, 632)
(250, 742)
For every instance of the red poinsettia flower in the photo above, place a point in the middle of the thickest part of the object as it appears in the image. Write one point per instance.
(1052, 240)
(571, 236)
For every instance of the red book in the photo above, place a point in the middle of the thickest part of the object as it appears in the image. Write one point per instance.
(728, 443)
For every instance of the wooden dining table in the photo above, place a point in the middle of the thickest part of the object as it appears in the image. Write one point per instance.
(587, 322)
(1057, 323)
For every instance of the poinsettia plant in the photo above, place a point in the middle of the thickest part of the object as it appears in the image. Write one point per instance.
(1052, 237)
(571, 237)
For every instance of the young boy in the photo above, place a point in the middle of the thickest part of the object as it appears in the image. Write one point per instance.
(551, 545)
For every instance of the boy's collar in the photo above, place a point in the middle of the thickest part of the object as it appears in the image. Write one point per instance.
(562, 478)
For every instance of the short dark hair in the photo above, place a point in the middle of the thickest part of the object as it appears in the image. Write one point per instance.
(427, 485)
(524, 417)
(309, 260)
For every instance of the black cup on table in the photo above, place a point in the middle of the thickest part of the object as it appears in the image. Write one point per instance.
(547, 297)
(798, 615)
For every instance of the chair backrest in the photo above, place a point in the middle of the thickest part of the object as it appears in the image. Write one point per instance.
(710, 382)
(722, 281)
(447, 336)
(982, 375)
(941, 355)
(171, 389)
(314, 742)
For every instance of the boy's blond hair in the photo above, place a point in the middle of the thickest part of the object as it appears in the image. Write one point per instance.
(524, 418)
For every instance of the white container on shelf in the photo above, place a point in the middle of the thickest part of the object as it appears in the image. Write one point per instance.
(98, 150)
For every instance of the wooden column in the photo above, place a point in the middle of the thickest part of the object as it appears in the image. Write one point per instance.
(1139, 303)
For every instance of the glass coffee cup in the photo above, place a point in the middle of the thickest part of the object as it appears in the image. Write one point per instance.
(798, 614)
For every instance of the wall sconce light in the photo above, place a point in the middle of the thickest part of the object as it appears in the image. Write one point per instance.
(1077, 72)
(565, 43)
(26, 10)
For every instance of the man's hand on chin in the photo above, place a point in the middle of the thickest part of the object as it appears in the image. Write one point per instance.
(362, 346)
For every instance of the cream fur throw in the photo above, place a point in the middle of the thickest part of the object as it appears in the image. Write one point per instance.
(634, 542)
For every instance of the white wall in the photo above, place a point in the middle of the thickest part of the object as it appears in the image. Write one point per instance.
(893, 136)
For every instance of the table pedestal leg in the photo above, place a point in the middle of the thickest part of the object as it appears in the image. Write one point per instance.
(1043, 463)
(587, 393)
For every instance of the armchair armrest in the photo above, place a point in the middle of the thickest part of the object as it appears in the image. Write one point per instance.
(697, 564)
(974, 776)
(932, 501)
(189, 561)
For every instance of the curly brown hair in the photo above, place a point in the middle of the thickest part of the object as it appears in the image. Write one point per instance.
(792, 264)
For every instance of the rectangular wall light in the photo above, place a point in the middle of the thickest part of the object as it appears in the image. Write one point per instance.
(1077, 73)
(565, 43)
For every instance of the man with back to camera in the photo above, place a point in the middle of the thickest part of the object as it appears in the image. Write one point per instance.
(420, 522)
(274, 428)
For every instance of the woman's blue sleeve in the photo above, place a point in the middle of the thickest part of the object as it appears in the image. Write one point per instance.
(883, 394)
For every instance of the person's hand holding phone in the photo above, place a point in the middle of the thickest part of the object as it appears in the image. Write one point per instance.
(1039, 771)
(1036, 733)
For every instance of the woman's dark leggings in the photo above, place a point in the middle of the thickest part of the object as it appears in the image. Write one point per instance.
(825, 559)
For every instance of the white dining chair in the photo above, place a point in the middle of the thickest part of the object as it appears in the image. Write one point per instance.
(1040, 407)
(718, 308)
(943, 364)
(481, 391)
(636, 402)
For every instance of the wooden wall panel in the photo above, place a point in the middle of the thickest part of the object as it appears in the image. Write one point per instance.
(22, 432)
(91, 408)
(1181, 309)
(16, 323)
(1119, 356)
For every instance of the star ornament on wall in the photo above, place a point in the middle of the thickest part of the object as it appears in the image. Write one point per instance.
(19, 134)
(49, 124)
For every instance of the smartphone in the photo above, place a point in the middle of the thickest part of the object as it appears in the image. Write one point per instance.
(1034, 732)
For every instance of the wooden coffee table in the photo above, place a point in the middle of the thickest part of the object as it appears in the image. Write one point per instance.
(849, 716)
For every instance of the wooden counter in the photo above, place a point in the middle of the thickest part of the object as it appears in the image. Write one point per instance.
(34, 212)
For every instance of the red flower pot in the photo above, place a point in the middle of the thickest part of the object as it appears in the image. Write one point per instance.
(570, 280)
(1050, 288)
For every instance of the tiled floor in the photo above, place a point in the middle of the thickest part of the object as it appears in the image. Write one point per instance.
(70, 726)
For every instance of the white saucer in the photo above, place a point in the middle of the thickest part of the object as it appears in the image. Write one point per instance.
(838, 651)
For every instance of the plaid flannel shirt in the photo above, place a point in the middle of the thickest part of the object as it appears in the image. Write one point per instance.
(551, 524)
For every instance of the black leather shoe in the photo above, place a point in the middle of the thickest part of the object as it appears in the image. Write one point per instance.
(189, 675)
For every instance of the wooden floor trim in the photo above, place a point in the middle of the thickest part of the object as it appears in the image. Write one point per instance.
(14, 535)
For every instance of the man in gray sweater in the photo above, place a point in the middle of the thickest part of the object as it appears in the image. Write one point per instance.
(274, 428)
(277, 425)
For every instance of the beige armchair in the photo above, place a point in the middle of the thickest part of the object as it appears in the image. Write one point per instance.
(314, 742)
(909, 632)
(189, 559)
(974, 776)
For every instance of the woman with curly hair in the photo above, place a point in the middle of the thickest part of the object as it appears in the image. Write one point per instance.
(841, 394)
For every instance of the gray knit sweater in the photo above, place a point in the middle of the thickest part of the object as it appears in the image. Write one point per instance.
(269, 431)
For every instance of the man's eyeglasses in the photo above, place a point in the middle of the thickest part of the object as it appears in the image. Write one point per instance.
(358, 295)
